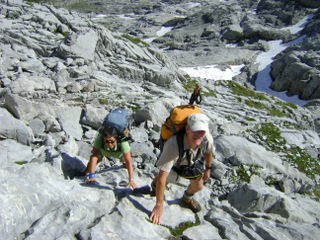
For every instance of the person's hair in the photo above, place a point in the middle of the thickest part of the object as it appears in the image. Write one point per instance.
(109, 132)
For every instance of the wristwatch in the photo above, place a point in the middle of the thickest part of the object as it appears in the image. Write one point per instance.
(208, 168)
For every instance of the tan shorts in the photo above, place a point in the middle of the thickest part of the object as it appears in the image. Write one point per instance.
(174, 177)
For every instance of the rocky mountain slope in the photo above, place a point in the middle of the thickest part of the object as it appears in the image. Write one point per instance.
(223, 32)
(62, 72)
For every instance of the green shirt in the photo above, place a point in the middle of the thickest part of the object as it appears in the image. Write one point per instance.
(111, 152)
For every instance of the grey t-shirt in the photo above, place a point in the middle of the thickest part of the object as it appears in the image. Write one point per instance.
(170, 153)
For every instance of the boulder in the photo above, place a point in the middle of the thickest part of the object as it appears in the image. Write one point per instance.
(13, 128)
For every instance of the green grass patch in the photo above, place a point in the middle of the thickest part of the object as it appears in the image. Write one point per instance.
(254, 104)
(287, 104)
(190, 85)
(244, 173)
(64, 34)
(231, 118)
(187, 76)
(135, 40)
(133, 108)
(240, 90)
(273, 111)
(317, 192)
(250, 119)
(270, 137)
(79, 5)
(277, 112)
(290, 125)
(299, 159)
(21, 162)
(178, 231)
(254, 100)
(34, 1)
(210, 93)
(270, 181)
(103, 101)
(239, 98)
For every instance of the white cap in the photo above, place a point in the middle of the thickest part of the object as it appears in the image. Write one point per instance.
(198, 122)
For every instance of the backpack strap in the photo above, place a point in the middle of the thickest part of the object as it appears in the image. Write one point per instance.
(180, 137)
(205, 147)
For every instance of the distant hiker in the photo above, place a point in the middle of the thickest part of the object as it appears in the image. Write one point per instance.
(187, 154)
(113, 142)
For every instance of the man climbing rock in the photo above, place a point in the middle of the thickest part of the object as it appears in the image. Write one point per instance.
(189, 155)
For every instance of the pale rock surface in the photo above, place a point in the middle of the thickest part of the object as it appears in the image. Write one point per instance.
(61, 73)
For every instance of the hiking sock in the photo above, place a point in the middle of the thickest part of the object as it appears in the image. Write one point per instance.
(187, 195)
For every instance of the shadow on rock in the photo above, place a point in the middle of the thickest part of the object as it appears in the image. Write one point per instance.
(142, 190)
(139, 206)
(95, 185)
(72, 166)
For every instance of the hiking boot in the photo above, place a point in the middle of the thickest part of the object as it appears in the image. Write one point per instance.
(193, 204)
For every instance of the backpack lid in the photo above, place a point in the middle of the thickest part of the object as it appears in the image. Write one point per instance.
(118, 118)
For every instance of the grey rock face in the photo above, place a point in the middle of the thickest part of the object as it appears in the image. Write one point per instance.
(297, 70)
(61, 73)
(14, 129)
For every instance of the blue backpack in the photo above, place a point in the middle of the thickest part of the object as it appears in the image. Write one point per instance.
(119, 119)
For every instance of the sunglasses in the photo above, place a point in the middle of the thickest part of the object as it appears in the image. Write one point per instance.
(109, 141)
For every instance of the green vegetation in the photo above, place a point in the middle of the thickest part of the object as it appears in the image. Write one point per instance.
(298, 158)
(187, 76)
(103, 101)
(190, 85)
(290, 125)
(134, 108)
(287, 104)
(244, 173)
(273, 111)
(254, 104)
(21, 163)
(271, 138)
(250, 119)
(270, 181)
(35, 1)
(178, 231)
(230, 118)
(271, 135)
(240, 90)
(317, 192)
(210, 93)
(80, 5)
(255, 100)
(135, 40)
(277, 112)
(64, 34)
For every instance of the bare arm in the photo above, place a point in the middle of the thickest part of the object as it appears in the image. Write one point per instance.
(208, 160)
(128, 160)
(157, 211)
(91, 167)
